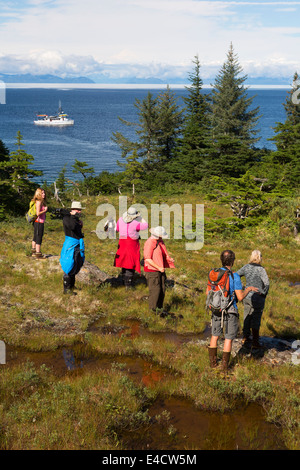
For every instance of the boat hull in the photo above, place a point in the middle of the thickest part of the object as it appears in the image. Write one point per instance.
(55, 123)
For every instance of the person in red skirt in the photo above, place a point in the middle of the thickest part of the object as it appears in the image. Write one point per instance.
(128, 253)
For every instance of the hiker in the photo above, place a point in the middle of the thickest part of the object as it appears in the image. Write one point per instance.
(256, 275)
(156, 260)
(230, 318)
(39, 200)
(128, 252)
(72, 253)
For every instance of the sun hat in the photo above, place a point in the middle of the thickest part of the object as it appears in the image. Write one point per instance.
(130, 214)
(77, 205)
(159, 232)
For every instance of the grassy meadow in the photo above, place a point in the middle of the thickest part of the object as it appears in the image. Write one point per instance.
(91, 409)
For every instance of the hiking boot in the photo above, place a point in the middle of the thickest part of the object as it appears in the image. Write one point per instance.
(255, 340)
(246, 341)
(39, 255)
(68, 283)
(162, 313)
(212, 353)
(69, 292)
(225, 362)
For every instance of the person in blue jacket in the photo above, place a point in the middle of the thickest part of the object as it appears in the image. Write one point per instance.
(231, 321)
(72, 254)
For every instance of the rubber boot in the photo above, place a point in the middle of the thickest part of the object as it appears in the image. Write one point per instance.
(72, 281)
(225, 362)
(212, 353)
(68, 285)
(128, 280)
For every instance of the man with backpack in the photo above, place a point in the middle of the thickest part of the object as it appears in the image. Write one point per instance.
(223, 290)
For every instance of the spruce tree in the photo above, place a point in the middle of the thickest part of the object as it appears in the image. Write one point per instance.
(157, 130)
(168, 127)
(146, 130)
(286, 158)
(18, 168)
(233, 122)
(195, 144)
(292, 104)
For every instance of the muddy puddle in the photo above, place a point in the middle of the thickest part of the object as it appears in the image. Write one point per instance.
(175, 424)
(133, 329)
(179, 426)
(81, 359)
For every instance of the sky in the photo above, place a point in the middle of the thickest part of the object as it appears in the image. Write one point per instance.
(148, 38)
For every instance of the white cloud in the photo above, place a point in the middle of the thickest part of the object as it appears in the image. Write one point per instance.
(142, 36)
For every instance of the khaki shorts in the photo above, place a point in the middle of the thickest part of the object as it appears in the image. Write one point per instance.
(231, 325)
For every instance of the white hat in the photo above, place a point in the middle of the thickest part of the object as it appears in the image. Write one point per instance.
(130, 215)
(76, 205)
(159, 232)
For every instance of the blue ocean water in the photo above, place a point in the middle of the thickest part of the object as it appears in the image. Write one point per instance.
(96, 113)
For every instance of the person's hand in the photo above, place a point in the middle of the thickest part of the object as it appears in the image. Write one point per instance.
(162, 270)
(251, 288)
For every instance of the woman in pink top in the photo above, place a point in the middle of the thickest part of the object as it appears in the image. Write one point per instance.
(40, 203)
(128, 253)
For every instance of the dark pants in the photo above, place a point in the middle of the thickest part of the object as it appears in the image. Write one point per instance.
(157, 286)
(69, 279)
(253, 310)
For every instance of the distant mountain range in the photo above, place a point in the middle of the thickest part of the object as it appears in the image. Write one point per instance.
(29, 78)
(104, 78)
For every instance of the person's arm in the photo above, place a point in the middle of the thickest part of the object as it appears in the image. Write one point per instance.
(142, 225)
(241, 294)
(154, 265)
(241, 271)
(148, 254)
(266, 282)
(38, 208)
(238, 288)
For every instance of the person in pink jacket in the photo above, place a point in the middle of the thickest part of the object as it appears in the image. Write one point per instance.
(128, 253)
(156, 260)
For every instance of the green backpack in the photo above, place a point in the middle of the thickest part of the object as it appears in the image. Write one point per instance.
(31, 214)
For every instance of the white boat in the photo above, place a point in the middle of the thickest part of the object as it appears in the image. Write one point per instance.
(60, 119)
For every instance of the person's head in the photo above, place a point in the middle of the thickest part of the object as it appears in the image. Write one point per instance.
(76, 208)
(131, 214)
(39, 195)
(255, 257)
(158, 232)
(227, 258)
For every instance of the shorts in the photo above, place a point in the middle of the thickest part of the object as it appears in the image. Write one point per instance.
(38, 232)
(230, 328)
